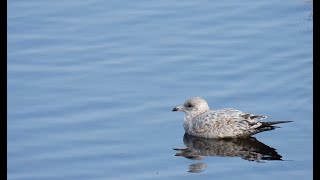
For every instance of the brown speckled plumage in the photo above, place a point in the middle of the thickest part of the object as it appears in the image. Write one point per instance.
(200, 121)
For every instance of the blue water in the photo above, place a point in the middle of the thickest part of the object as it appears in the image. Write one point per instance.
(91, 86)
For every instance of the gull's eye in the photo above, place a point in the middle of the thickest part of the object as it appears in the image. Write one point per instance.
(189, 105)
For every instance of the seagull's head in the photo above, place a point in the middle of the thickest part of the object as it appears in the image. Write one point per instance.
(193, 106)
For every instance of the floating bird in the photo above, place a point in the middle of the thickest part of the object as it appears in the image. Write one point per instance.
(200, 121)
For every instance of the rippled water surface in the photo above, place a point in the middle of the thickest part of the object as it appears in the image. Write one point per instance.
(91, 86)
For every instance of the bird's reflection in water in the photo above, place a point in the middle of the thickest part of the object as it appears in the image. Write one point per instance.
(247, 148)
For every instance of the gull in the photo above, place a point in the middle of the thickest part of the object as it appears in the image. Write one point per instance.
(200, 121)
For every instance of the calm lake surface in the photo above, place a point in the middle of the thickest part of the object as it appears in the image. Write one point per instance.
(91, 86)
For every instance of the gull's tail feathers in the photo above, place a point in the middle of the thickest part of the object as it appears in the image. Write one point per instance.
(268, 126)
(270, 123)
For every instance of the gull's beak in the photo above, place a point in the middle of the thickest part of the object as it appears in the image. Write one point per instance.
(178, 108)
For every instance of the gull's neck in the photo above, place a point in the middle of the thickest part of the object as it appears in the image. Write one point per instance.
(190, 115)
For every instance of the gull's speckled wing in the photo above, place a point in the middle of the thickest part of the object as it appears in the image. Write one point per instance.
(225, 123)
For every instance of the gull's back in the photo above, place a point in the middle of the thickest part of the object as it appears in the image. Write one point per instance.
(223, 123)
